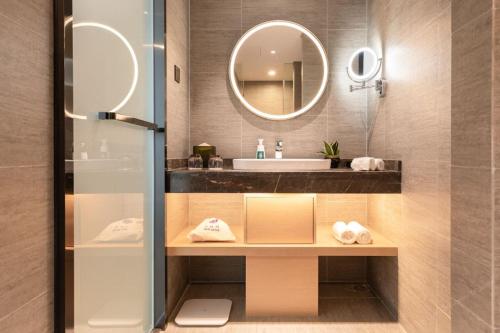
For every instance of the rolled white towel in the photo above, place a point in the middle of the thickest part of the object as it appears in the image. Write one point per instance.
(362, 234)
(363, 164)
(342, 233)
(379, 164)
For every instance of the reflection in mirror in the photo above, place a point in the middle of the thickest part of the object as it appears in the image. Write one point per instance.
(279, 70)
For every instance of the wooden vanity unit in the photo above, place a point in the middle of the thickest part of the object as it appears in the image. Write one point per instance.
(276, 229)
(281, 240)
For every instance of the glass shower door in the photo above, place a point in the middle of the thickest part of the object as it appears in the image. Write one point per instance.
(111, 139)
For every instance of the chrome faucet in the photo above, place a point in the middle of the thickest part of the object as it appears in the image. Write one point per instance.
(278, 149)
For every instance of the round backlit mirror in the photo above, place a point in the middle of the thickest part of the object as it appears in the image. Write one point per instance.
(363, 65)
(278, 70)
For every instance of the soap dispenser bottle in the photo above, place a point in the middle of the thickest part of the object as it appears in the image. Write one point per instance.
(261, 151)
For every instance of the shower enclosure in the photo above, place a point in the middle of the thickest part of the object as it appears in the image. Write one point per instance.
(109, 165)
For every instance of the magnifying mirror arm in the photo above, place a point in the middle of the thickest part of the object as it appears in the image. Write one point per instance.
(361, 86)
(379, 85)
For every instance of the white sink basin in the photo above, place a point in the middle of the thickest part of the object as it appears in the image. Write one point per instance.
(281, 164)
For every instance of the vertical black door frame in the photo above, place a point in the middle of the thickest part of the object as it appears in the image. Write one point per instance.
(60, 12)
(159, 56)
(59, 169)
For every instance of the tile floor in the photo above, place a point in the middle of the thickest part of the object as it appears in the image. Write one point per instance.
(343, 308)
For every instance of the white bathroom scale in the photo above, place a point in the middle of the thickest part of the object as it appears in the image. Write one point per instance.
(204, 312)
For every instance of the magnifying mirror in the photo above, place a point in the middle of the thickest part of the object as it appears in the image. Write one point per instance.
(362, 67)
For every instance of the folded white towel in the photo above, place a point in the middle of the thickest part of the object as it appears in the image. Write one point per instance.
(363, 235)
(379, 164)
(363, 164)
(342, 233)
(211, 230)
(126, 230)
(367, 164)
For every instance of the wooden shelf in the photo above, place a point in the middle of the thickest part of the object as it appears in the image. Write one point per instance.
(111, 246)
(325, 245)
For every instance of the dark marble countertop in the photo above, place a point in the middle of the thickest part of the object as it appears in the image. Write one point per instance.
(342, 180)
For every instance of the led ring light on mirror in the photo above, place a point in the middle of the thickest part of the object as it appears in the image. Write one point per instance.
(363, 66)
(133, 56)
(365, 53)
(272, 53)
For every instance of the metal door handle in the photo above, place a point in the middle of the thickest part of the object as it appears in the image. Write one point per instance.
(129, 120)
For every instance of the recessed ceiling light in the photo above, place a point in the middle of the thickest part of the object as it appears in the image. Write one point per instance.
(272, 72)
(273, 51)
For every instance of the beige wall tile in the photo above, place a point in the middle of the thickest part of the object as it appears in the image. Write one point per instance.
(385, 215)
(25, 91)
(342, 207)
(415, 314)
(471, 187)
(26, 219)
(465, 11)
(472, 219)
(496, 89)
(27, 229)
(471, 283)
(413, 123)
(211, 50)
(226, 206)
(347, 119)
(215, 14)
(341, 44)
(346, 211)
(443, 282)
(215, 118)
(34, 316)
(443, 322)
(347, 14)
(36, 16)
(311, 14)
(465, 321)
(496, 249)
(471, 120)
(177, 115)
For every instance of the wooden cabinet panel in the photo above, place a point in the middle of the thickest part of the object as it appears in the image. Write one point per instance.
(282, 286)
(280, 219)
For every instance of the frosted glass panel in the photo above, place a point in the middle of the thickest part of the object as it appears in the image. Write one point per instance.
(113, 165)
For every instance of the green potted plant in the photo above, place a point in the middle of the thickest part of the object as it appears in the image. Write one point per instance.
(332, 152)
